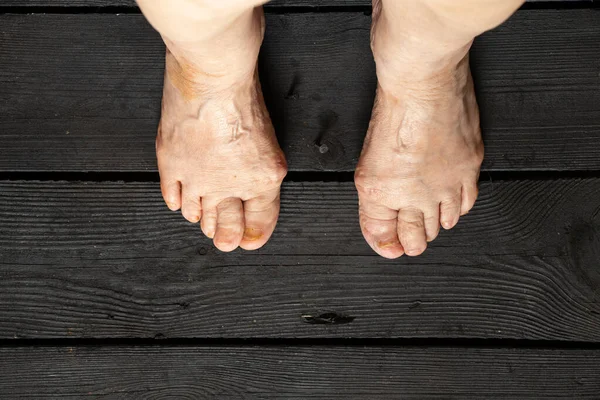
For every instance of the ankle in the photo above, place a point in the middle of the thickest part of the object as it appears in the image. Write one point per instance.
(417, 80)
(405, 57)
(226, 59)
(191, 76)
(406, 70)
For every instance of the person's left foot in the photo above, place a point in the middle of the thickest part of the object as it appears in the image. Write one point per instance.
(420, 161)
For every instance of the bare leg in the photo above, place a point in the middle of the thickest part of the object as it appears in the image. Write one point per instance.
(421, 157)
(218, 157)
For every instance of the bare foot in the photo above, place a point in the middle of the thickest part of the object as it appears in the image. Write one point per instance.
(218, 156)
(421, 158)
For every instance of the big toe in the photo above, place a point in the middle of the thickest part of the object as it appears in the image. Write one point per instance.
(230, 224)
(379, 227)
(260, 218)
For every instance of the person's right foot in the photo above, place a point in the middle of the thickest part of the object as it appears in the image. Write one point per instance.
(218, 156)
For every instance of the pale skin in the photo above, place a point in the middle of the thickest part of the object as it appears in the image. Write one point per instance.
(218, 157)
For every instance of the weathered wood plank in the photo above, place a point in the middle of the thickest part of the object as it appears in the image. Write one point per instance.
(82, 92)
(273, 3)
(297, 372)
(109, 260)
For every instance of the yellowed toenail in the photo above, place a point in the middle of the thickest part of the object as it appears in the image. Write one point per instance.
(385, 245)
(252, 234)
(172, 206)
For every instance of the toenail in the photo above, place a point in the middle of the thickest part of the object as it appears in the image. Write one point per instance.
(252, 234)
(385, 245)
(172, 206)
(416, 251)
(226, 241)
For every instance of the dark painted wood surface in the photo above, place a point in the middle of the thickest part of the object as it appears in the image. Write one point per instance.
(102, 260)
(82, 92)
(319, 372)
(109, 260)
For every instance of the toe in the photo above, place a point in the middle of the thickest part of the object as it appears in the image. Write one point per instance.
(260, 218)
(379, 227)
(191, 207)
(450, 212)
(432, 222)
(208, 223)
(230, 224)
(411, 231)
(469, 195)
(171, 192)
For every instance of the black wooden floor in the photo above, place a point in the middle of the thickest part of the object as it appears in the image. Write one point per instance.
(106, 294)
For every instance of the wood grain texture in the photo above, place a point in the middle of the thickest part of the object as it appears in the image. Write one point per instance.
(296, 372)
(82, 92)
(109, 260)
(274, 3)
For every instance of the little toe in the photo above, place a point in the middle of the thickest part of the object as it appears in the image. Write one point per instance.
(230, 224)
(208, 223)
(379, 227)
(171, 192)
(191, 207)
(411, 231)
(260, 218)
(469, 195)
(432, 223)
(450, 212)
